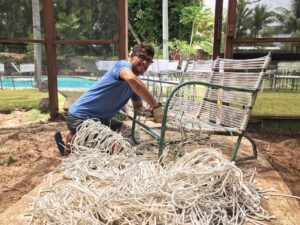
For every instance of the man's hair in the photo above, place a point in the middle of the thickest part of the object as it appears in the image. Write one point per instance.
(146, 49)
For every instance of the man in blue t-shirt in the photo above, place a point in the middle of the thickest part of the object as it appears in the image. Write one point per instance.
(111, 93)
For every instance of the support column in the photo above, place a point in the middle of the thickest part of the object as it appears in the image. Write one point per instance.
(123, 29)
(230, 29)
(218, 29)
(51, 56)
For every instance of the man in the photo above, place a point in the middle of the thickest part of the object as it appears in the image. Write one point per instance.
(111, 93)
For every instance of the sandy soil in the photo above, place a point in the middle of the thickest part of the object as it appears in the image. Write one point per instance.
(283, 153)
(32, 147)
(32, 152)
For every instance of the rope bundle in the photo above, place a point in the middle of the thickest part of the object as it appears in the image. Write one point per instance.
(202, 187)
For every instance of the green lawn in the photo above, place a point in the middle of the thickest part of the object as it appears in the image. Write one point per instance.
(13, 99)
(277, 104)
(17, 98)
(267, 103)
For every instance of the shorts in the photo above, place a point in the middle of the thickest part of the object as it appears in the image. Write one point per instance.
(73, 122)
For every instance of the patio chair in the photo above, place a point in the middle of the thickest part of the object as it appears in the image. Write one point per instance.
(25, 70)
(161, 76)
(222, 105)
(197, 70)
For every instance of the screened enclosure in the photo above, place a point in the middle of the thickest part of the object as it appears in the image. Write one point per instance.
(59, 38)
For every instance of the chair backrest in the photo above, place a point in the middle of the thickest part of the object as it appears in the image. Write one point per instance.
(105, 65)
(15, 67)
(197, 70)
(173, 65)
(2, 70)
(27, 68)
(232, 108)
(216, 103)
(159, 65)
(183, 65)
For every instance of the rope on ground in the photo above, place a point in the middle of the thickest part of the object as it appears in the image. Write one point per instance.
(113, 185)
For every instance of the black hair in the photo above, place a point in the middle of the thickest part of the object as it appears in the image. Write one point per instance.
(146, 49)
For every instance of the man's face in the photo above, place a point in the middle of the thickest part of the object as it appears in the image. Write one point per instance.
(140, 62)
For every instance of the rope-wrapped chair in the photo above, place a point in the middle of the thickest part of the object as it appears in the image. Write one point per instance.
(220, 105)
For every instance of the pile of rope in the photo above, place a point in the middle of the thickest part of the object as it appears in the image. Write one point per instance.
(110, 184)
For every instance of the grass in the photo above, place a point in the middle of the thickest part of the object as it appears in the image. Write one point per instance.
(17, 98)
(14, 99)
(267, 103)
(277, 104)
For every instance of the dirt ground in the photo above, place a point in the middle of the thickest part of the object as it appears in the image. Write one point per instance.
(28, 152)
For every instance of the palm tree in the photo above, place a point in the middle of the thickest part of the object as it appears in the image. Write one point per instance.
(289, 19)
(260, 19)
(243, 20)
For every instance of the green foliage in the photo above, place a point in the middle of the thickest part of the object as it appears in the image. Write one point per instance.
(182, 47)
(202, 21)
(35, 114)
(145, 16)
(69, 26)
(10, 159)
(16, 21)
(290, 19)
(261, 18)
(30, 51)
(243, 19)
(206, 47)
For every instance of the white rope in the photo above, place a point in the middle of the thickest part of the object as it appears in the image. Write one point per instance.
(202, 187)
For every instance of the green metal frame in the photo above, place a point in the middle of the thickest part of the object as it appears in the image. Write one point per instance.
(160, 136)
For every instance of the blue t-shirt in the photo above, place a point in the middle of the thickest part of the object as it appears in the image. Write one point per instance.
(106, 97)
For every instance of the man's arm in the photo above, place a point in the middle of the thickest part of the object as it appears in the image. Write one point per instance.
(137, 104)
(138, 87)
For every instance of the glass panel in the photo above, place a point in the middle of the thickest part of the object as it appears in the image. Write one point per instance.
(268, 18)
(89, 19)
(18, 66)
(80, 60)
(17, 20)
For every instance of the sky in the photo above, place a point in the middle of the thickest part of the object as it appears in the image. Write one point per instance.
(272, 4)
(211, 4)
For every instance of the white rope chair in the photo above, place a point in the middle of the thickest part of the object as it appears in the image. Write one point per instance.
(221, 105)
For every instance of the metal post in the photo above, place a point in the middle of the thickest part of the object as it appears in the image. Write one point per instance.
(51, 56)
(218, 28)
(230, 29)
(123, 29)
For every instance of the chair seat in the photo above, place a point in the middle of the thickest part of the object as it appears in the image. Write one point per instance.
(196, 125)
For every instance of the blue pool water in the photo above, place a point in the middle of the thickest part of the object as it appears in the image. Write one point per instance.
(63, 82)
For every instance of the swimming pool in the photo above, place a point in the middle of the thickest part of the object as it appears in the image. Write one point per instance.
(63, 82)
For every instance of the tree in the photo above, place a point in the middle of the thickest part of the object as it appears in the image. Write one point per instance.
(145, 18)
(36, 21)
(289, 19)
(260, 19)
(201, 19)
(243, 18)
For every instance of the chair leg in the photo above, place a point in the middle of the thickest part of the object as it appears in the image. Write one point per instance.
(133, 129)
(237, 145)
(162, 139)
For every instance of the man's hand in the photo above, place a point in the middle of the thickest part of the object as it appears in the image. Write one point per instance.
(142, 111)
(158, 113)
